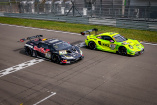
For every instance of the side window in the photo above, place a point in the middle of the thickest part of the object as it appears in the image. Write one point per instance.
(107, 38)
(40, 44)
(45, 46)
(50, 47)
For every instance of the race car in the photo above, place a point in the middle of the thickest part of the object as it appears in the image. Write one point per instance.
(56, 50)
(113, 42)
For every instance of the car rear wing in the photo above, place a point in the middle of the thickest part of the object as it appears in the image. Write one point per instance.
(88, 31)
(30, 38)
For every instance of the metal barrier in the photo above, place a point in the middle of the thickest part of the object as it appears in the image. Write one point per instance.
(104, 12)
(85, 8)
(70, 19)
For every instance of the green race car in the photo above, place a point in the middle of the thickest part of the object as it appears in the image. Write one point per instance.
(113, 42)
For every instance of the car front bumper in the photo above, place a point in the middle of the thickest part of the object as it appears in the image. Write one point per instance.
(69, 61)
(136, 52)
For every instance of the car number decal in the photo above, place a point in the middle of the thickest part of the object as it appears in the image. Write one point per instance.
(48, 55)
(112, 46)
(62, 52)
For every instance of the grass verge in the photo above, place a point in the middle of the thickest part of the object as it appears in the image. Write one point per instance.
(142, 35)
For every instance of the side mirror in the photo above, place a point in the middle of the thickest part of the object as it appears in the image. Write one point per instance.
(111, 41)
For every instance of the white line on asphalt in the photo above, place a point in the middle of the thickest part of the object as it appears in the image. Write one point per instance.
(12, 25)
(148, 43)
(48, 30)
(26, 27)
(58, 31)
(19, 26)
(64, 32)
(42, 29)
(52, 94)
(20, 66)
(4, 24)
(35, 28)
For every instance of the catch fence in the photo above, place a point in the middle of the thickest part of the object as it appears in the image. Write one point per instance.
(107, 12)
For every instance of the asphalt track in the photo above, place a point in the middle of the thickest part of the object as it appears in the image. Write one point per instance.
(101, 78)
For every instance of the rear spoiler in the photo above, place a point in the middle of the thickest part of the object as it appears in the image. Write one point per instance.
(88, 31)
(30, 38)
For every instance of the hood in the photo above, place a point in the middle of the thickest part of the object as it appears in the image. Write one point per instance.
(133, 44)
(72, 52)
(130, 42)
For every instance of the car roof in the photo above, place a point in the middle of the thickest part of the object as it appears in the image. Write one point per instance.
(111, 34)
(51, 41)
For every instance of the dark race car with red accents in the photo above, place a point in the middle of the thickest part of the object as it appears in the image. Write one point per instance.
(56, 50)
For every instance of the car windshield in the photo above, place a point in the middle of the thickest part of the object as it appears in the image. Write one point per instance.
(119, 38)
(61, 45)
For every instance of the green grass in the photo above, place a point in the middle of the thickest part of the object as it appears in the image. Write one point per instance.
(142, 35)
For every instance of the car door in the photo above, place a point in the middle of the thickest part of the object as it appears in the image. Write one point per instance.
(108, 44)
(41, 49)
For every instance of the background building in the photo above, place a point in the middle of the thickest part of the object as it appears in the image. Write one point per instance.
(144, 9)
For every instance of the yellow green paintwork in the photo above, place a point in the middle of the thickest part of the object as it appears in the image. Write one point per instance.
(114, 46)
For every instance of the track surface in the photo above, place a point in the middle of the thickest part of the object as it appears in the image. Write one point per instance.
(101, 78)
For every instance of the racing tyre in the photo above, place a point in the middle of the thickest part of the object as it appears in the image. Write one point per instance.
(56, 58)
(28, 51)
(92, 45)
(122, 51)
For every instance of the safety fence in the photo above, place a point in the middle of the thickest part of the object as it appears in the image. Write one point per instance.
(103, 12)
(119, 22)
(84, 8)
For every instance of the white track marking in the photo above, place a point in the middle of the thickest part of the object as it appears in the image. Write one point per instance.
(20, 67)
(52, 94)
(25, 27)
(19, 26)
(12, 25)
(35, 28)
(148, 43)
(4, 24)
(48, 30)
(57, 31)
(42, 29)
(82, 44)
(63, 32)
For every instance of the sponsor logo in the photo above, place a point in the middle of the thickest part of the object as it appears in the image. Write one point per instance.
(40, 49)
(28, 45)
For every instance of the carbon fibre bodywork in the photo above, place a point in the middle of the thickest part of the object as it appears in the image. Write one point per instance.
(56, 50)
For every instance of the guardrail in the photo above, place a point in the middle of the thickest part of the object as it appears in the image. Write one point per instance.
(122, 23)
(70, 19)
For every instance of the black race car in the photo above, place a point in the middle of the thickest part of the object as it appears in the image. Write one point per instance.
(56, 50)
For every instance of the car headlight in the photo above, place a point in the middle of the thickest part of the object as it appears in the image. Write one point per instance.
(69, 57)
(130, 46)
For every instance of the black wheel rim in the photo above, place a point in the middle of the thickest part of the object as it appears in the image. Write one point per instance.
(92, 46)
(122, 51)
(56, 59)
(28, 52)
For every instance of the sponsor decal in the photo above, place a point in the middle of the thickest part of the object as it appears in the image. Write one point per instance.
(62, 52)
(112, 46)
(48, 55)
(28, 45)
(41, 49)
(107, 45)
